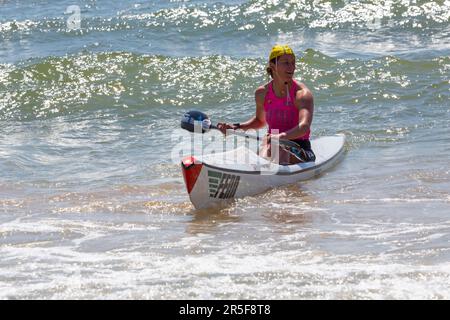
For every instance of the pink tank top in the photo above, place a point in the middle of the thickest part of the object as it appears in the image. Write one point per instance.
(281, 113)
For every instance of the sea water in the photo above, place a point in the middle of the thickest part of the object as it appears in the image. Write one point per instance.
(93, 203)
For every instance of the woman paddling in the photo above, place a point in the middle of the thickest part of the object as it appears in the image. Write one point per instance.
(286, 106)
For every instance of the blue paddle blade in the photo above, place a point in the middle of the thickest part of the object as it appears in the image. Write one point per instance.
(194, 118)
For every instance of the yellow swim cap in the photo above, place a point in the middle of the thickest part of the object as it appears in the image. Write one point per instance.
(279, 50)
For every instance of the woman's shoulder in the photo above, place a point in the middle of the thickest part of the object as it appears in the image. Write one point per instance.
(304, 96)
(262, 90)
(303, 91)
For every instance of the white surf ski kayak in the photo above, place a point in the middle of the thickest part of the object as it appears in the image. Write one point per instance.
(217, 179)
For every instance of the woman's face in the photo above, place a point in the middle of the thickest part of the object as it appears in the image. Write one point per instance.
(284, 68)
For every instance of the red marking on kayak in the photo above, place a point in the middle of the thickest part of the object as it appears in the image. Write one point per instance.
(191, 171)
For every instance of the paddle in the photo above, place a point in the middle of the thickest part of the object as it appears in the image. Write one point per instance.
(190, 118)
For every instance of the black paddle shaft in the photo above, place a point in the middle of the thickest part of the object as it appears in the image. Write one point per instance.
(194, 118)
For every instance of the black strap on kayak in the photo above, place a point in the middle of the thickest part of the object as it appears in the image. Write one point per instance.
(303, 155)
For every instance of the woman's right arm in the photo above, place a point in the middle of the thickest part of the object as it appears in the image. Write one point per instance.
(255, 122)
(259, 119)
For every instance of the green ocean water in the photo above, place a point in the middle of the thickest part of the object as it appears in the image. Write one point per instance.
(93, 205)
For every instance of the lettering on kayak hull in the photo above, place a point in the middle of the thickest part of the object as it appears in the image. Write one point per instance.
(222, 185)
